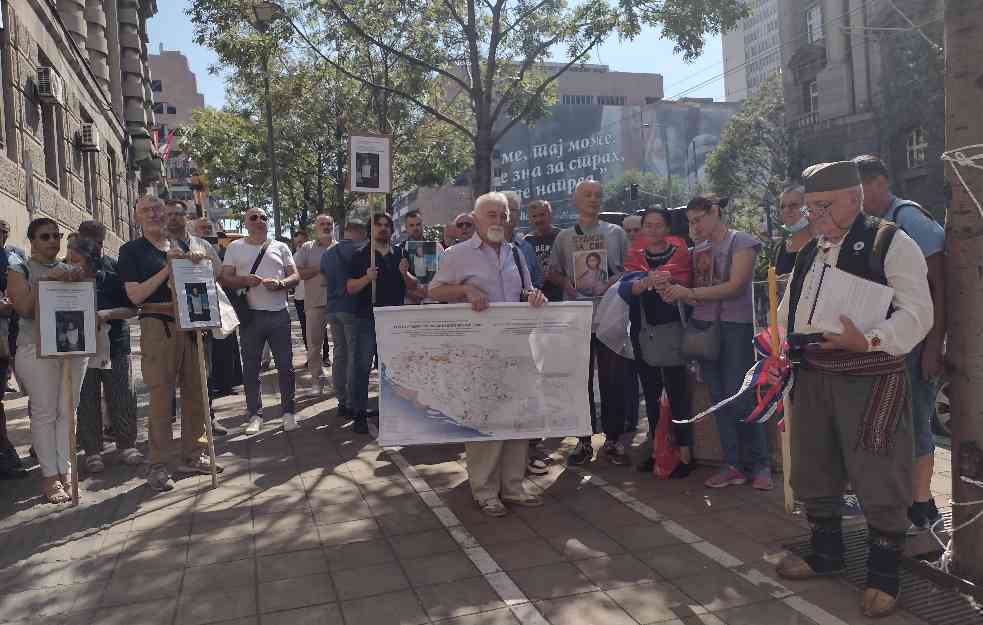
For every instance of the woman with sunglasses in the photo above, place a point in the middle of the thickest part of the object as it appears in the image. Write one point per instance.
(49, 419)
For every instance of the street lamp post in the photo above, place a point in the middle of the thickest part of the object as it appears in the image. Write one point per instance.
(262, 15)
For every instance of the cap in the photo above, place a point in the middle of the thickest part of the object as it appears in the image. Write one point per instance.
(835, 176)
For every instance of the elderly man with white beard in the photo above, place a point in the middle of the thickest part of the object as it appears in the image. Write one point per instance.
(482, 270)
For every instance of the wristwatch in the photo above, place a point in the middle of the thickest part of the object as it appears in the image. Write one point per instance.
(874, 341)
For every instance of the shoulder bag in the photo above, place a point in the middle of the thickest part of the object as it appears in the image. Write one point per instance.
(237, 297)
(704, 343)
(661, 345)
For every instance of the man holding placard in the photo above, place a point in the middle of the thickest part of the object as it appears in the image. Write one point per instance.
(850, 396)
(266, 269)
(168, 356)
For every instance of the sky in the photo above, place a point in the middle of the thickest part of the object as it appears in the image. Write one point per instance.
(647, 53)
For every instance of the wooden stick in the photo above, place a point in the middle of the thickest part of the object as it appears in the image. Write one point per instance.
(372, 249)
(69, 405)
(787, 430)
(204, 400)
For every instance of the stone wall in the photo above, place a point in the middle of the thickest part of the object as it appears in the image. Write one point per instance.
(34, 36)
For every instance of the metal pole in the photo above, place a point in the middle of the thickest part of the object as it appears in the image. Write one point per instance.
(271, 149)
(665, 144)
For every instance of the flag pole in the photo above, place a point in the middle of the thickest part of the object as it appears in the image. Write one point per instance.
(786, 432)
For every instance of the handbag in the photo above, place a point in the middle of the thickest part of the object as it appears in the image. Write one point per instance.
(238, 299)
(704, 343)
(661, 345)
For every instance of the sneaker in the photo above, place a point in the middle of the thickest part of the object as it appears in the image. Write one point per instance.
(537, 466)
(131, 456)
(582, 453)
(923, 515)
(762, 480)
(851, 506)
(218, 429)
(202, 464)
(289, 422)
(94, 463)
(727, 476)
(255, 424)
(323, 386)
(360, 425)
(616, 454)
(159, 480)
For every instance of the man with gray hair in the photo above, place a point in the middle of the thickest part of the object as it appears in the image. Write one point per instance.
(852, 411)
(481, 270)
(587, 259)
(633, 227)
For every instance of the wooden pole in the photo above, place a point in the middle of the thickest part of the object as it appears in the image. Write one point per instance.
(202, 371)
(67, 397)
(786, 433)
(964, 257)
(372, 247)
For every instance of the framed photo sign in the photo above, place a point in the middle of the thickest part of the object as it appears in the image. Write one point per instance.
(195, 294)
(370, 163)
(65, 319)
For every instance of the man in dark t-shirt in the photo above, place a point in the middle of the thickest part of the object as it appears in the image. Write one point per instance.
(168, 356)
(541, 236)
(392, 279)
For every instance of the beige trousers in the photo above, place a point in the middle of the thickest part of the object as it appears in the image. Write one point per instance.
(316, 324)
(496, 468)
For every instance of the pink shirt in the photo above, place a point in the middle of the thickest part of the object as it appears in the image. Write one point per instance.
(475, 263)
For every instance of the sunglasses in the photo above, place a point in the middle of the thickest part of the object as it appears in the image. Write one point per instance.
(464, 224)
(47, 236)
(258, 217)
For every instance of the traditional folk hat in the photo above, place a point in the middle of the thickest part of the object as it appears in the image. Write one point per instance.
(831, 177)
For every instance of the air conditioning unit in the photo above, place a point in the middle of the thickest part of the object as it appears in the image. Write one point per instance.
(51, 88)
(89, 139)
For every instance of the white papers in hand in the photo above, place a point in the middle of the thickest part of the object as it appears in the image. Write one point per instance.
(866, 303)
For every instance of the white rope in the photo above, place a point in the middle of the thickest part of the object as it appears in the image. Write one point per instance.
(945, 561)
(959, 157)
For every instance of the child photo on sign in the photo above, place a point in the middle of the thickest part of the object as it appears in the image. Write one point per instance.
(70, 325)
(198, 307)
(367, 174)
(591, 271)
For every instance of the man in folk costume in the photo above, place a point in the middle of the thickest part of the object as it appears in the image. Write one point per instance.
(852, 411)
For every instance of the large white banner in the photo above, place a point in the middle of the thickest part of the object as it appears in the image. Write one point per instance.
(448, 374)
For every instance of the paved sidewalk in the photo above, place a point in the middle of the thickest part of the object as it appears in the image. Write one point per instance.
(322, 526)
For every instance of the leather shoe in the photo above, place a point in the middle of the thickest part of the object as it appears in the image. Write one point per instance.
(877, 603)
(794, 567)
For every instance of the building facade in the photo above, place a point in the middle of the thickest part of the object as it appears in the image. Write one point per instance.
(860, 79)
(752, 50)
(76, 114)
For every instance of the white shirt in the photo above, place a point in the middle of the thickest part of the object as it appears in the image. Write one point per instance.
(906, 273)
(277, 263)
(476, 263)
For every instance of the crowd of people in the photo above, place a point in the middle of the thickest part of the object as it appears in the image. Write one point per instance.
(855, 428)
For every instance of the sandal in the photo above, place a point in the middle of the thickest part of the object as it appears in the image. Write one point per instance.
(94, 464)
(492, 507)
(526, 501)
(54, 492)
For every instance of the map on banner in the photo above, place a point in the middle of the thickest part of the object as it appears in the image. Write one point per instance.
(448, 374)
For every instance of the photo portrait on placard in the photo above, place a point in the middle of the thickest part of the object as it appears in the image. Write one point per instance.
(591, 272)
(70, 327)
(422, 256)
(197, 295)
(367, 173)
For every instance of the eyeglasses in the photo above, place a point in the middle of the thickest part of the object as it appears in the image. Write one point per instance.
(258, 217)
(47, 236)
(464, 224)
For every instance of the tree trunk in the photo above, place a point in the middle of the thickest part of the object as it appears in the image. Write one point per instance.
(483, 152)
(964, 266)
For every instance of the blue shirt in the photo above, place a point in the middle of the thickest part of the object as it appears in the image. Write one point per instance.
(927, 233)
(335, 265)
(532, 261)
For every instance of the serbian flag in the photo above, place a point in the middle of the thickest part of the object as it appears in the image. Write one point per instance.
(757, 398)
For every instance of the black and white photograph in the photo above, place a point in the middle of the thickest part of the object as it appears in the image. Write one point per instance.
(65, 323)
(196, 294)
(370, 163)
(198, 307)
(70, 325)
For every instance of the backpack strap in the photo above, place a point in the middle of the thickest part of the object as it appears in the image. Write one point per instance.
(882, 242)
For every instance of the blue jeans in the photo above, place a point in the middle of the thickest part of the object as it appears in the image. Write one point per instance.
(724, 376)
(361, 363)
(923, 396)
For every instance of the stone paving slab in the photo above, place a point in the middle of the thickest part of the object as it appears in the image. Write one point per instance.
(322, 526)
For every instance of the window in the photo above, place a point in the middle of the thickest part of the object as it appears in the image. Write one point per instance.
(811, 97)
(156, 86)
(577, 99)
(612, 100)
(51, 127)
(171, 110)
(159, 107)
(916, 147)
(814, 23)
